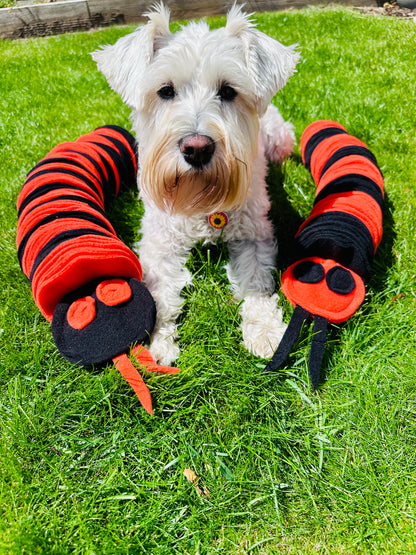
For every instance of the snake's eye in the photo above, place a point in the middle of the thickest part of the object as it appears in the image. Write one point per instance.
(308, 271)
(340, 281)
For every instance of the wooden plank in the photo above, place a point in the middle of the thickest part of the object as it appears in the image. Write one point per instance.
(44, 19)
(77, 15)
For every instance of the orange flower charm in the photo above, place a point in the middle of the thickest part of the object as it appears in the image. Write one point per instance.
(218, 220)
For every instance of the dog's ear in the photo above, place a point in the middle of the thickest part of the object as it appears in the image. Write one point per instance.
(269, 62)
(123, 63)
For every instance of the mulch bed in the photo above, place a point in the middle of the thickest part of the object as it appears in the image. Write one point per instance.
(393, 10)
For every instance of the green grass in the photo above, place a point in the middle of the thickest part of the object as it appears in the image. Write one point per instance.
(83, 469)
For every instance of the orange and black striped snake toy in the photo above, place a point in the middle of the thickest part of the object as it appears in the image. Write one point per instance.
(337, 241)
(84, 279)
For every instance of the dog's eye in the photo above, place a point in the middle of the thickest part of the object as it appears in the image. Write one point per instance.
(167, 92)
(227, 93)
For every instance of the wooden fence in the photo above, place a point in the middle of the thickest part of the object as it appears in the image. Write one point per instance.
(77, 15)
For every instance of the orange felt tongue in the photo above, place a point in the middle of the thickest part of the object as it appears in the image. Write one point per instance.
(149, 363)
(133, 377)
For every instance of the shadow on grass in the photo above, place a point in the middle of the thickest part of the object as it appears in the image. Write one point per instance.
(125, 212)
(286, 220)
(384, 257)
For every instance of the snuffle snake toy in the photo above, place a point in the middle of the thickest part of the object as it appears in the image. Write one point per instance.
(337, 241)
(84, 279)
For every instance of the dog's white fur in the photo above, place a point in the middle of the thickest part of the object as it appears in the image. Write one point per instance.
(246, 130)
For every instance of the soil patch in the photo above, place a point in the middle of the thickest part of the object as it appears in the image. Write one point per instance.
(392, 10)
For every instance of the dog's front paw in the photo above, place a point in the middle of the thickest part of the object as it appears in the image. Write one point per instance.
(164, 348)
(262, 324)
(278, 135)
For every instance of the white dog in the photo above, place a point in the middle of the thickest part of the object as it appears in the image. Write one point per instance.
(205, 126)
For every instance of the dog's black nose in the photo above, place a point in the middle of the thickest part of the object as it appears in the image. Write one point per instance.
(197, 149)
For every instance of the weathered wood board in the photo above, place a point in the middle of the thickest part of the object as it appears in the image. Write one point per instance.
(77, 15)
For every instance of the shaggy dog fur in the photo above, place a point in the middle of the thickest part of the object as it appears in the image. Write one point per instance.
(205, 127)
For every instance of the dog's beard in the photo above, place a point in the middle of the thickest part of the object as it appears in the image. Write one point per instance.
(190, 191)
(222, 184)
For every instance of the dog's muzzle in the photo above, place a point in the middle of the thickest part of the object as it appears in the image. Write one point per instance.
(197, 150)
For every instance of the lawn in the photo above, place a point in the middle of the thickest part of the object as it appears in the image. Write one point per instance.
(84, 469)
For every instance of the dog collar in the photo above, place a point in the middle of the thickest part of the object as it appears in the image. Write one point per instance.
(218, 220)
